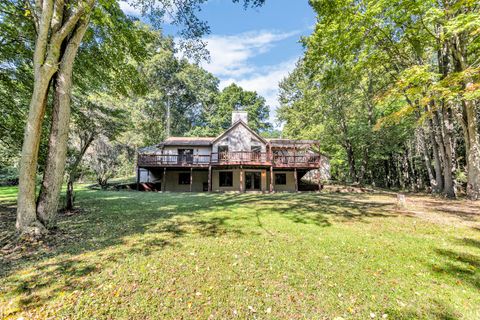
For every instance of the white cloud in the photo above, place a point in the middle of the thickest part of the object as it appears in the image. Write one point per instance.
(230, 54)
(129, 9)
(231, 61)
(265, 82)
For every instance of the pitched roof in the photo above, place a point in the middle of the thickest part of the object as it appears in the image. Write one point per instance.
(149, 150)
(237, 123)
(187, 141)
(292, 143)
(208, 141)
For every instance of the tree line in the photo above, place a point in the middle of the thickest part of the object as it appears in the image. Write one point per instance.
(392, 90)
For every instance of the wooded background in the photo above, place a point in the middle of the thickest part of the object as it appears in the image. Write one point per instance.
(390, 88)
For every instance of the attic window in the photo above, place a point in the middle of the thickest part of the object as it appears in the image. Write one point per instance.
(222, 149)
(256, 149)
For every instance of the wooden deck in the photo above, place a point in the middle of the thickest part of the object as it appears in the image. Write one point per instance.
(261, 159)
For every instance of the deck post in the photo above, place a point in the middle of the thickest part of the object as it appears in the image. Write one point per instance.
(164, 180)
(296, 179)
(269, 154)
(295, 156)
(191, 178)
(209, 178)
(320, 176)
(271, 179)
(138, 178)
(241, 179)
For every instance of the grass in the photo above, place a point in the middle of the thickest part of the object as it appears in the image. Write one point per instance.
(137, 255)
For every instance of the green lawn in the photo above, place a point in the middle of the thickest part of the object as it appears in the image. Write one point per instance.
(138, 255)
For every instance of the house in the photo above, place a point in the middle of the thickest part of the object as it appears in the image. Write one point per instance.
(237, 160)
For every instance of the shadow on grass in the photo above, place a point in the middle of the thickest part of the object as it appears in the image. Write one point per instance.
(322, 209)
(112, 218)
(45, 280)
(461, 266)
(463, 210)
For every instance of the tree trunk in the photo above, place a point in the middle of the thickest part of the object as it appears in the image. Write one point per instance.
(168, 119)
(51, 184)
(370, 122)
(445, 147)
(73, 174)
(48, 201)
(445, 125)
(447, 128)
(51, 28)
(469, 120)
(411, 165)
(26, 214)
(70, 199)
(349, 150)
(437, 164)
(386, 169)
(473, 183)
(427, 159)
(363, 169)
(351, 161)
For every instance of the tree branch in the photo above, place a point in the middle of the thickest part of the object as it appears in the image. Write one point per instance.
(42, 34)
(67, 28)
(33, 11)
(57, 15)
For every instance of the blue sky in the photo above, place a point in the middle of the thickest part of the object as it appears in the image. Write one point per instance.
(254, 48)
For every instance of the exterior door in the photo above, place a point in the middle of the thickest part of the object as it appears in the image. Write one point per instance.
(253, 181)
(185, 156)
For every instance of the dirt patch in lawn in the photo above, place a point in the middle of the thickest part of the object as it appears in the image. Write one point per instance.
(439, 210)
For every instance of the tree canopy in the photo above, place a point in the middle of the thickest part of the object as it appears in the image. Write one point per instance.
(391, 88)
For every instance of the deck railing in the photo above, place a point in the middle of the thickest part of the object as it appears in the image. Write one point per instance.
(239, 157)
(230, 158)
(281, 160)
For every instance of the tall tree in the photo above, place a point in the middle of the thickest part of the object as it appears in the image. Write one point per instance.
(235, 98)
(404, 60)
(179, 92)
(60, 27)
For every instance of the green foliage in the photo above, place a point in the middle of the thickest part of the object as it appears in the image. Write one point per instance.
(373, 72)
(234, 98)
(173, 84)
(16, 33)
(105, 160)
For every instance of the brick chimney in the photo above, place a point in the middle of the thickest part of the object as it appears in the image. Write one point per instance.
(239, 115)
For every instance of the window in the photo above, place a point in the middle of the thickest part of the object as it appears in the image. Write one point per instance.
(222, 149)
(256, 149)
(184, 178)
(256, 153)
(185, 155)
(280, 178)
(226, 179)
